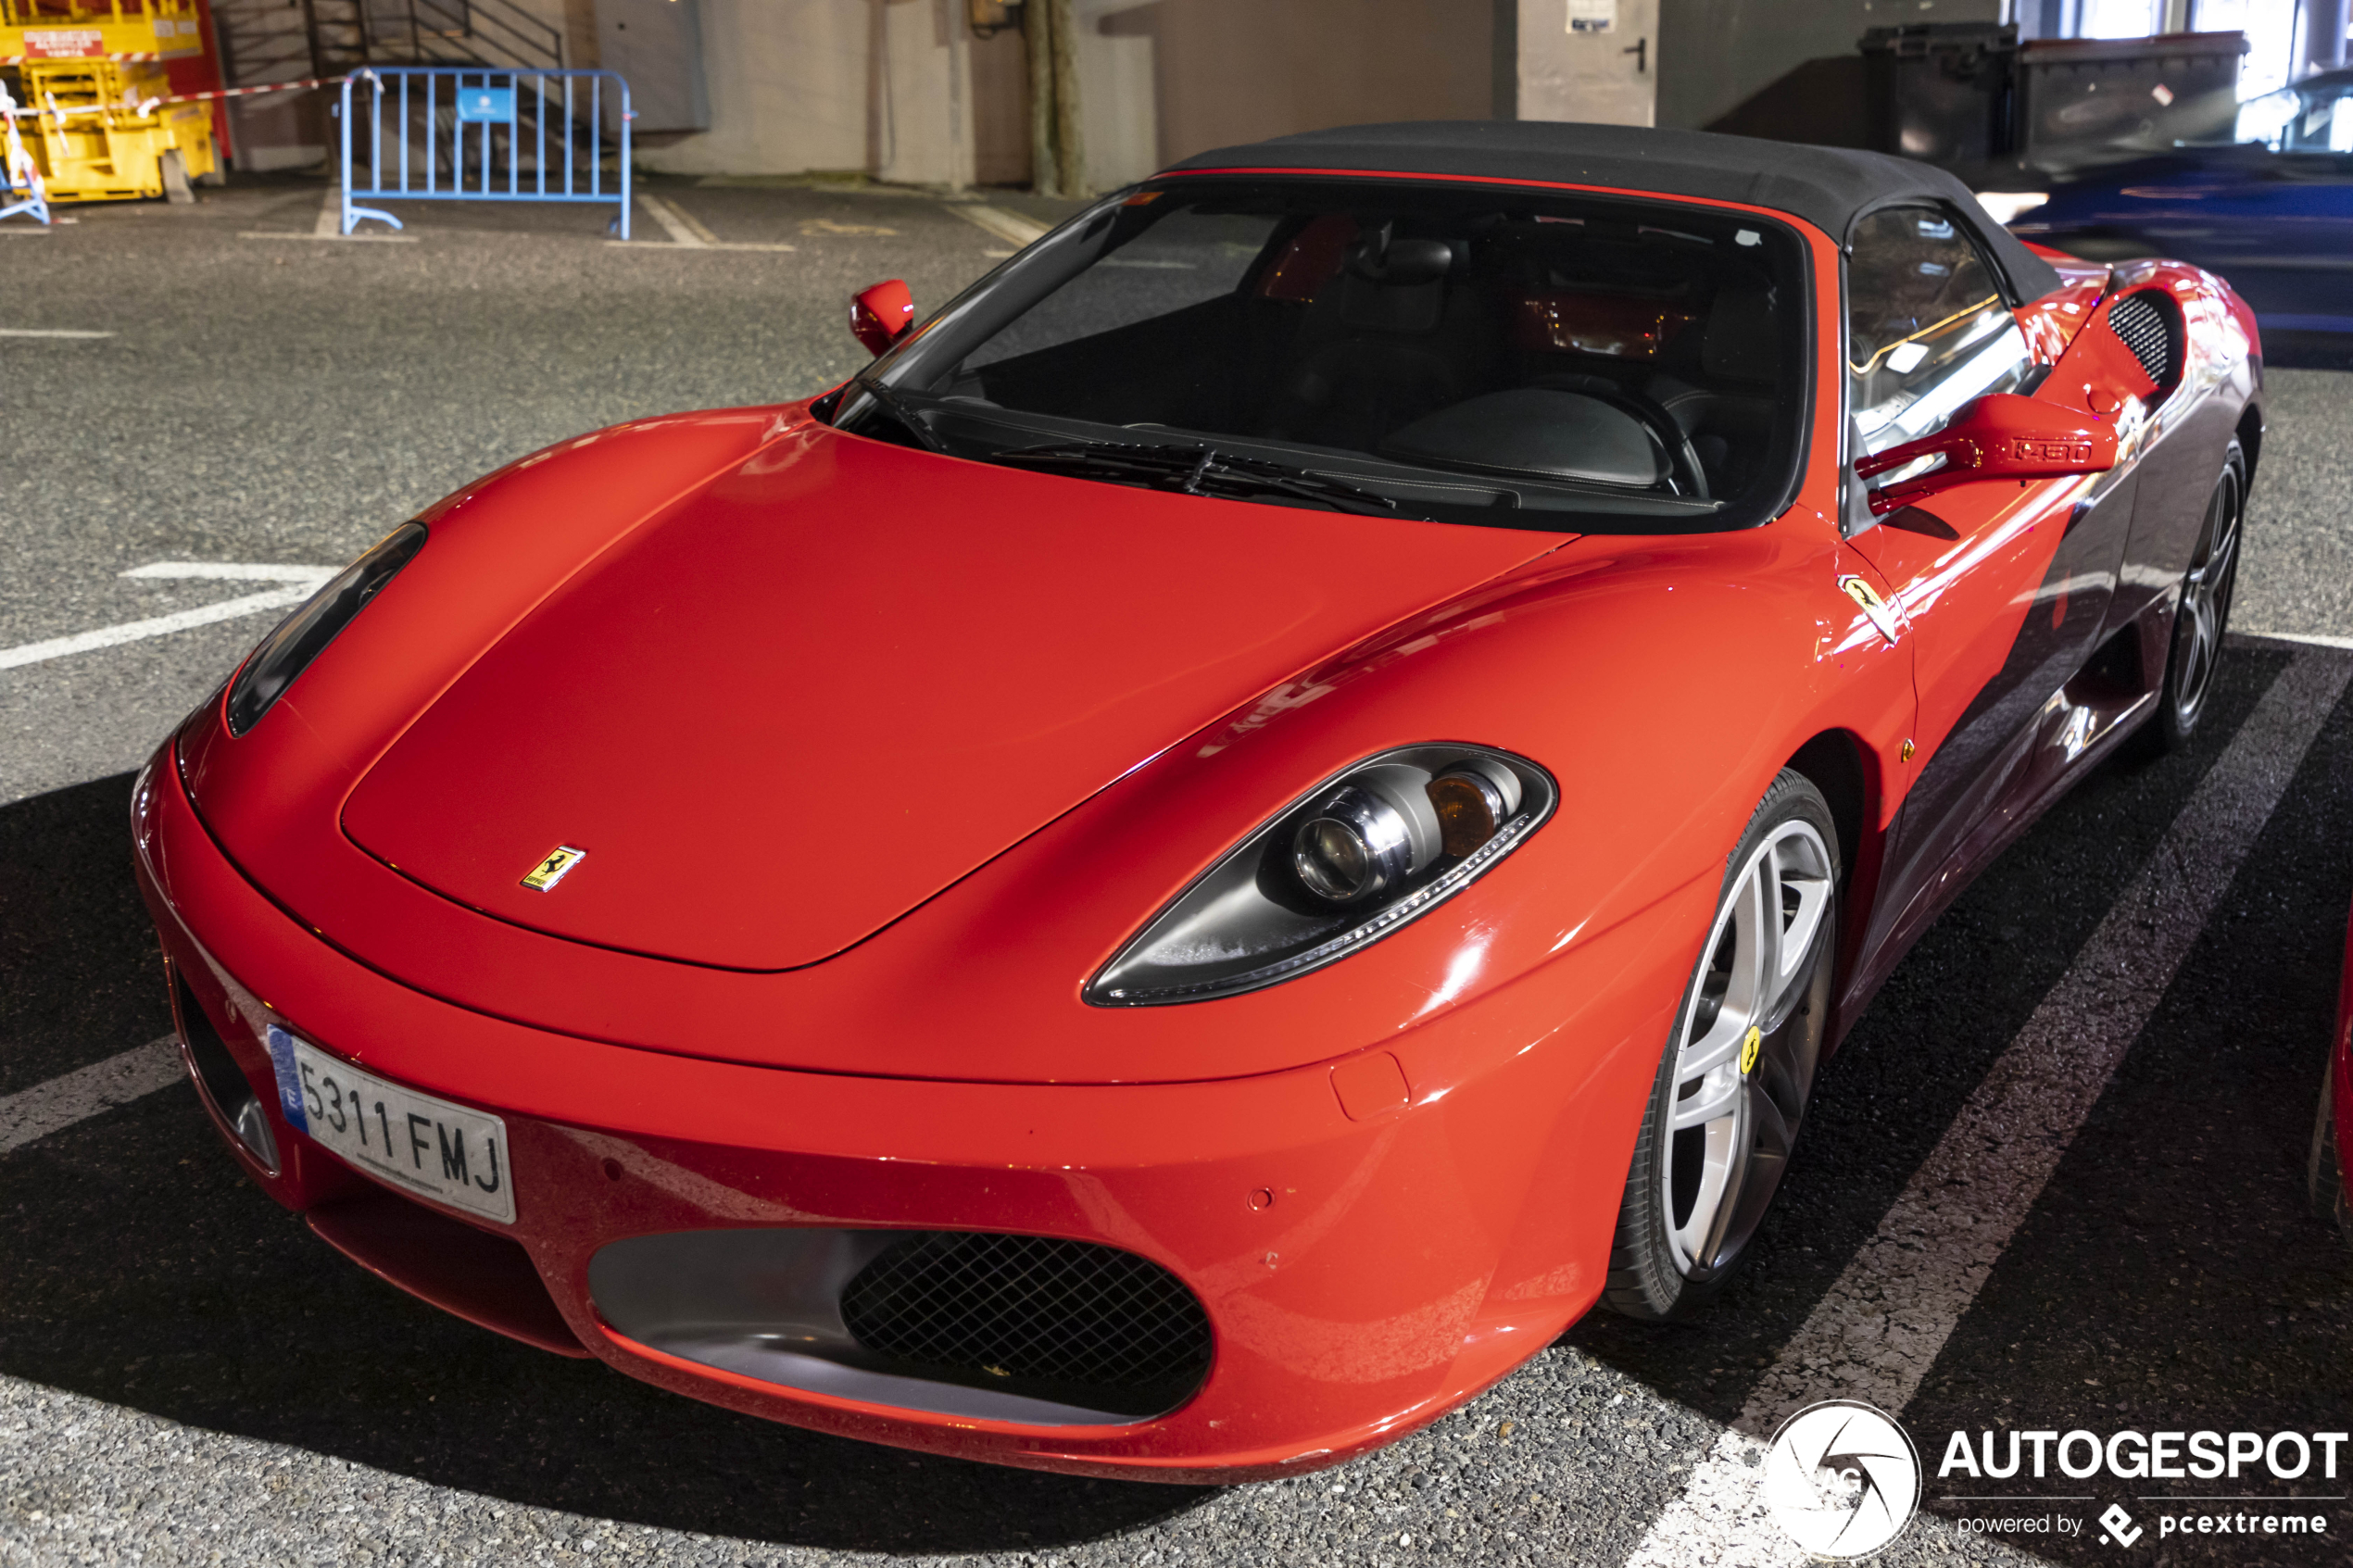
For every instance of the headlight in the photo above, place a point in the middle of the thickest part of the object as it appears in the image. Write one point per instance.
(287, 651)
(1349, 862)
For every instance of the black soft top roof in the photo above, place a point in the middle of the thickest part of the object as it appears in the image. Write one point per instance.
(1829, 187)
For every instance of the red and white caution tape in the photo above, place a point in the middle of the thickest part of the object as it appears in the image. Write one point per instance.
(248, 92)
(144, 106)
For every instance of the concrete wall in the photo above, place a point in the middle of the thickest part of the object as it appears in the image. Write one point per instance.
(1237, 71)
(1741, 65)
(881, 86)
(902, 89)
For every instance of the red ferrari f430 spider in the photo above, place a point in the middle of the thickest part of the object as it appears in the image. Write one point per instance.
(1282, 798)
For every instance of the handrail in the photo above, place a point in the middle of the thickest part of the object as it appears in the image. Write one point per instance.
(431, 21)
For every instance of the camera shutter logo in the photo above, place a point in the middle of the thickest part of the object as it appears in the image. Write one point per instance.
(1841, 1479)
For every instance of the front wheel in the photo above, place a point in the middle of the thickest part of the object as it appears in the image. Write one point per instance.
(1739, 1066)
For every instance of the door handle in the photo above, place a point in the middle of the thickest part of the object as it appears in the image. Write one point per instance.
(1641, 50)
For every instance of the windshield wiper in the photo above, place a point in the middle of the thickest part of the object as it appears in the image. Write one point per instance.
(888, 400)
(1192, 470)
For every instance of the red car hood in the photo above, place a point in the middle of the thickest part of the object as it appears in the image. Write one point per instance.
(834, 680)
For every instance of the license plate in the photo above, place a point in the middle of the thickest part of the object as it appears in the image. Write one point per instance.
(428, 1145)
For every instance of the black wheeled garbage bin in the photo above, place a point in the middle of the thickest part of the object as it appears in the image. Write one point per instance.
(1940, 91)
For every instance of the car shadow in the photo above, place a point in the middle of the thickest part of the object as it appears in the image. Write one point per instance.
(143, 1269)
(1922, 1048)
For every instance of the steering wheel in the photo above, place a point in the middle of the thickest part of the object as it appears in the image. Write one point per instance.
(1683, 470)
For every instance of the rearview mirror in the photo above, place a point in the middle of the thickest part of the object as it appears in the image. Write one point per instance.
(2001, 435)
(880, 315)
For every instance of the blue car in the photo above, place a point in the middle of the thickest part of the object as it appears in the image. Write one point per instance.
(2271, 210)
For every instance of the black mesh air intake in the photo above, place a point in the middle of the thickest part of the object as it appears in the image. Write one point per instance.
(2150, 325)
(1094, 1322)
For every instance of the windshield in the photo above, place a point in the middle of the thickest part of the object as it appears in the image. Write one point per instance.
(1486, 355)
(2315, 118)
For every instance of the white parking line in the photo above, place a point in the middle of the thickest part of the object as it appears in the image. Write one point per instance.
(235, 571)
(48, 331)
(302, 581)
(687, 231)
(155, 626)
(73, 1097)
(681, 229)
(1879, 1328)
(287, 235)
(1009, 227)
(2315, 639)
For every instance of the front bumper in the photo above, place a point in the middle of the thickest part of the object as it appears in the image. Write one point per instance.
(1361, 1276)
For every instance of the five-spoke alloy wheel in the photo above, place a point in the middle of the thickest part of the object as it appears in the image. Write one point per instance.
(1733, 1082)
(2204, 613)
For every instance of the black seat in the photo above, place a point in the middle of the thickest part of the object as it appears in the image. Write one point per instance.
(1391, 337)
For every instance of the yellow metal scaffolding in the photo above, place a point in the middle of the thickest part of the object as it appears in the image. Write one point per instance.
(92, 75)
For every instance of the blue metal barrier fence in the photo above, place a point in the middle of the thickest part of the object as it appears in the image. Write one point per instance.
(536, 135)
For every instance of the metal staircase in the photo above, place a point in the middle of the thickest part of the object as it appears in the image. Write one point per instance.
(267, 41)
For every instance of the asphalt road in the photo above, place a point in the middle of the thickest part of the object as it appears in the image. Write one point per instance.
(187, 1375)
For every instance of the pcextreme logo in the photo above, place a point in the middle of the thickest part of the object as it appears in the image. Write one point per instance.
(2119, 1529)
(1841, 1479)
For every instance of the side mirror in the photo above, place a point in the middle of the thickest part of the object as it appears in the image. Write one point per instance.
(881, 316)
(2001, 435)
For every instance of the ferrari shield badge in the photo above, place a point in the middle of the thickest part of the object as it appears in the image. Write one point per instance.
(553, 867)
(1749, 1047)
(1875, 610)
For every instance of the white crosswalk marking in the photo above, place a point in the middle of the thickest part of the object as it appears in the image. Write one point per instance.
(1875, 1334)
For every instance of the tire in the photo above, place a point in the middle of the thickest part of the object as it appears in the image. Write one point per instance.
(174, 170)
(2202, 615)
(2324, 1174)
(1747, 1036)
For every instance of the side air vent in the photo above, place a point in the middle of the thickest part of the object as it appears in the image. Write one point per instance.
(2149, 324)
(1033, 1309)
(223, 1082)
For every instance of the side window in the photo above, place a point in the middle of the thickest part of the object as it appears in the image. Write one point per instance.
(1927, 329)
